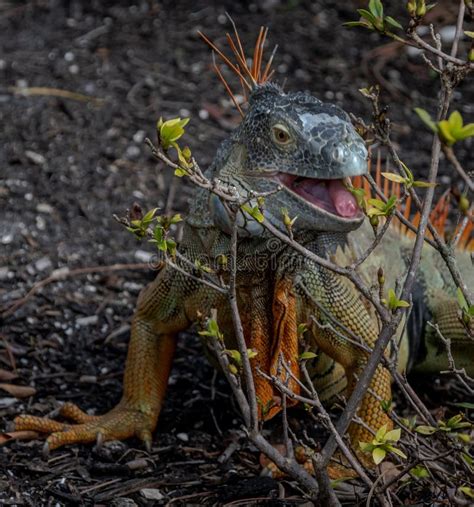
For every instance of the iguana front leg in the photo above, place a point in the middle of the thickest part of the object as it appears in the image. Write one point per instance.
(345, 305)
(150, 354)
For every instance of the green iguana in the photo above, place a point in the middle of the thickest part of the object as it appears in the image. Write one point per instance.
(306, 148)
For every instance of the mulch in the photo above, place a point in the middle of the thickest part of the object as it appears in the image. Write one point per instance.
(69, 161)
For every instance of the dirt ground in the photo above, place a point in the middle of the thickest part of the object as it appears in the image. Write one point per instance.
(68, 163)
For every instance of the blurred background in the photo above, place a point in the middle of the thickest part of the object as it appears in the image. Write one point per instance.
(81, 86)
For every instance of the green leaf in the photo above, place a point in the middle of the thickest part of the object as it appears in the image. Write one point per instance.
(396, 451)
(367, 15)
(466, 131)
(453, 421)
(212, 329)
(394, 177)
(183, 161)
(393, 22)
(461, 299)
(455, 122)
(176, 218)
(426, 119)
(445, 132)
(366, 446)
(351, 24)
(423, 184)
(393, 301)
(301, 329)
(468, 459)
(359, 195)
(180, 172)
(377, 203)
(469, 492)
(149, 215)
(307, 355)
(251, 353)
(378, 455)
(425, 430)
(171, 246)
(393, 435)
(469, 34)
(170, 131)
(235, 355)
(376, 8)
(419, 472)
(379, 436)
(254, 212)
(465, 404)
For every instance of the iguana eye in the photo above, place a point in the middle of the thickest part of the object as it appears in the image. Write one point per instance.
(281, 134)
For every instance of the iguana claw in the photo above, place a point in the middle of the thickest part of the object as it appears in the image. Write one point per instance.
(120, 423)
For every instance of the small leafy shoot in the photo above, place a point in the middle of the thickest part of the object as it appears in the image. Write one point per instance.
(383, 444)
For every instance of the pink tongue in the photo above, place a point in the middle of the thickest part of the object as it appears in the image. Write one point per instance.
(344, 202)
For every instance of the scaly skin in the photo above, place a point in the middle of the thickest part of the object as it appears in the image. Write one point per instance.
(273, 281)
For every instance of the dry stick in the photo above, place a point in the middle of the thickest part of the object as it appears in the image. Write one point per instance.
(286, 464)
(412, 397)
(424, 45)
(374, 244)
(54, 92)
(388, 329)
(444, 250)
(342, 445)
(459, 23)
(448, 151)
(314, 401)
(62, 274)
(247, 369)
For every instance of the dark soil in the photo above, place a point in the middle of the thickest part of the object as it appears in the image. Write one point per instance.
(67, 165)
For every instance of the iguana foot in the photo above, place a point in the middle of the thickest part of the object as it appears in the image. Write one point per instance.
(120, 423)
(336, 471)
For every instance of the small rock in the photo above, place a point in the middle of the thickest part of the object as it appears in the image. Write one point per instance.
(133, 286)
(4, 273)
(143, 256)
(137, 464)
(448, 33)
(203, 114)
(139, 136)
(113, 133)
(43, 264)
(7, 402)
(44, 207)
(184, 437)
(132, 152)
(152, 494)
(7, 239)
(87, 321)
(123, 502)
(34, 157)
(40, 223)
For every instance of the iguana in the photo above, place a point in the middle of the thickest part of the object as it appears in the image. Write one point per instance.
(298, 151)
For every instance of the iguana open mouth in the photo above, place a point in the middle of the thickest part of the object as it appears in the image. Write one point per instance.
(329, 195)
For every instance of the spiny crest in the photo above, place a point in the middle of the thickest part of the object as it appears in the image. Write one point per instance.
(251, 72)
(464, 232)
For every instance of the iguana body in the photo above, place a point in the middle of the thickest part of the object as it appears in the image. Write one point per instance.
(289, 140)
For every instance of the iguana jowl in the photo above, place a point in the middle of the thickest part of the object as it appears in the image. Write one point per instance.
(307, 147)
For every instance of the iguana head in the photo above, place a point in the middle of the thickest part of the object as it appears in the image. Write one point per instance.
(306, 147)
